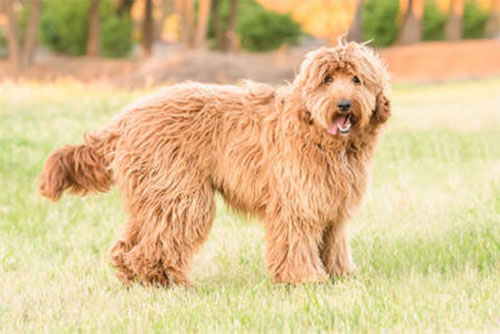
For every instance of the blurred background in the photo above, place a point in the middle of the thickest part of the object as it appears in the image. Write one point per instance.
(143, 43)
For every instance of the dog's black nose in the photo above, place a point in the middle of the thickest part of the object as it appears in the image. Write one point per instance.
(344, 105)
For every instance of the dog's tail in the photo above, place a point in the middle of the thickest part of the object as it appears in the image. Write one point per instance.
(80, 168)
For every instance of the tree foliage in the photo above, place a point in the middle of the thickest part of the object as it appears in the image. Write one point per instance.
(64, 28)
(3, 41)
(321, 18)
(263, 30)
(380, 21)
(258, 28)
(116, 32)
(474, 20)
(434, 22)
(255, 25)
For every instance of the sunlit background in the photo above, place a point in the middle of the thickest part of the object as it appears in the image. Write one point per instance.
(138, 43)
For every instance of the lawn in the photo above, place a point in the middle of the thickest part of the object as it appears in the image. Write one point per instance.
(426, 242)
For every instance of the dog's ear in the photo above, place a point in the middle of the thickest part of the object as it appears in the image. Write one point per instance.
(305, 116)
(382, 110)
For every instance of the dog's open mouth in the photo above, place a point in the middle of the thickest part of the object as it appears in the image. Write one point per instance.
(341, 124)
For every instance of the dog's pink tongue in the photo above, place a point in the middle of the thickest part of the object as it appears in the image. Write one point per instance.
(333, 128)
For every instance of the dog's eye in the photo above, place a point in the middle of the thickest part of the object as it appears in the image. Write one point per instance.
(356, 80)
(328, 80)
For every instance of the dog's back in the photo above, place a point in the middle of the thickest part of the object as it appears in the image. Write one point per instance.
(186, 125)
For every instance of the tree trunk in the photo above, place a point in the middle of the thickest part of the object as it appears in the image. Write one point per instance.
(12, 33)
(179, 7)
(189, 17)
(31, 35)
(356, 31)
(202, 25)
(453, 29)
(147, 28)
(231, 37)
(166, 9)
(185, 9)
(493, 24)
(219, 31)
(94, 40)
(411, 29)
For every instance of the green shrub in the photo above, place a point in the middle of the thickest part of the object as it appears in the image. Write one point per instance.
(474, 21)
(258, 28)
(433, 22)
(3, 43)
(3, 40)
(380, 21)
(64, 28)
(116, 32)
(262, 30)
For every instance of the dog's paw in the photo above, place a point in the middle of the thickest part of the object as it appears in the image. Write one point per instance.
(348, 269)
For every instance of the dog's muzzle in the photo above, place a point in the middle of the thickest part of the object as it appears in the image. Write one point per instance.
(341, 124)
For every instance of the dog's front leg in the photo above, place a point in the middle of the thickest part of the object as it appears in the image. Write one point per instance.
(336, 252)
(292, 252)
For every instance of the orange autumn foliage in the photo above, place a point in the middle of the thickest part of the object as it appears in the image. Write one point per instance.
(320, 18)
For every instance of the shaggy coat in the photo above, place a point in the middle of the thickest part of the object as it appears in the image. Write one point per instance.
(297, 157)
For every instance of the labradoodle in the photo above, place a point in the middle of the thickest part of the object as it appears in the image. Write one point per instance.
(298, 157)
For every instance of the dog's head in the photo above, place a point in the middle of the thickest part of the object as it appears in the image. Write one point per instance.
(339, 88)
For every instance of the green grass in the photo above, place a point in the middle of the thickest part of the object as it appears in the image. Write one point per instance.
(426, 242)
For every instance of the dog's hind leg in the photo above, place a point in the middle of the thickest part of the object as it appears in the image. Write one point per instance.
(336, 252)
(172, 230)
(121, 248)
(292, 252)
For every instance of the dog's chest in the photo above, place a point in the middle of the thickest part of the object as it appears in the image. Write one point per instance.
(330, 191)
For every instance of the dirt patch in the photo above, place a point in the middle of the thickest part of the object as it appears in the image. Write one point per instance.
(213, 67)
(425, 62)
(434, 61)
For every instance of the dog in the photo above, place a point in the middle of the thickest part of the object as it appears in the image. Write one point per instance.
(297, 157)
